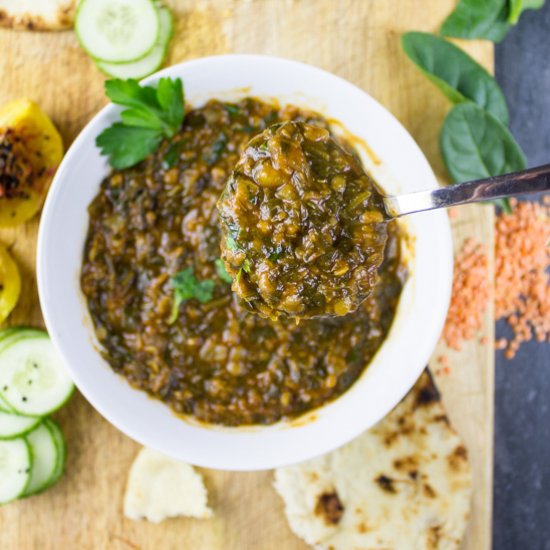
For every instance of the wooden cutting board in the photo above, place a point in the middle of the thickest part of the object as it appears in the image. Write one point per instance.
(356, 39)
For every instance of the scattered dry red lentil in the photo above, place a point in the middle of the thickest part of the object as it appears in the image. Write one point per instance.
(522, 290)
(522, 261)
(444, 368)
(470, 295)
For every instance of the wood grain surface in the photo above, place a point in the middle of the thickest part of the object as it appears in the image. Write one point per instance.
(356, 39)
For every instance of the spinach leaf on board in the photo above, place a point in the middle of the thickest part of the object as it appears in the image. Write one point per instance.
(478, 19)
(517, 7)
(455, 73)
(474, 145)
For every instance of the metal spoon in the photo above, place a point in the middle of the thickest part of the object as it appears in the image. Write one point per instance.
(533, 180)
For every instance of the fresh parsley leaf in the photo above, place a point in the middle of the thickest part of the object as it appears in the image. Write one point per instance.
(222, 272)
(126, 146)
(152, 114)
(142, 118)
(170, 98)
(129, 93)
(187, 287)
(246, 265)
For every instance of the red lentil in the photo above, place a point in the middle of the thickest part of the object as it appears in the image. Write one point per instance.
(522, 259)
(522, 292)
(470, 295)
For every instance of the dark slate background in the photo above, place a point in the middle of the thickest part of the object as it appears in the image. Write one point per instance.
(522, 400)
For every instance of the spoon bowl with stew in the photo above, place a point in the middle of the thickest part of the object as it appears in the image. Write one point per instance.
(305, 227)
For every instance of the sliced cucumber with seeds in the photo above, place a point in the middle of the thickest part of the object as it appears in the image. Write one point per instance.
(61, 450)
(33, 379)
(15, 468)
(5, 332)
(152, 61)
(13, 334)
(4, 407)
(7, 336)
(45, 456)
(14, 425)
(117, 31)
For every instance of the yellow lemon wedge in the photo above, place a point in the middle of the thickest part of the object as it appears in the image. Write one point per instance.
(10, 284)
(30, 151)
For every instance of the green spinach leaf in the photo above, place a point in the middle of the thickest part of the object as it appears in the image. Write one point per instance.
(474, 145)
(517, 7)
(478, 19)
(455, 73)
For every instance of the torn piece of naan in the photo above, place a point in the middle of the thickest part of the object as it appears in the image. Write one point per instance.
(37, 15)
(160, 487)
(405, 484)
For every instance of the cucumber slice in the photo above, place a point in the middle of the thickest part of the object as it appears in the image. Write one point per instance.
(117, 30)
(45, 457)
(33, 379)
(61, 450)
(152, 61)
(14, 425)
(15, 468)
(4, 407)
(8, 336)
(5, 332)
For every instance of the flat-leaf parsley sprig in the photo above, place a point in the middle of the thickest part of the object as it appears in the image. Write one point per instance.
(152, 114)
(186, 286)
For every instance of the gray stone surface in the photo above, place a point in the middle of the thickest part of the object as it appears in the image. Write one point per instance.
(522, 425)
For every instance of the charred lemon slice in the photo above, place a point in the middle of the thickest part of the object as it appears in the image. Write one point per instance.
(30, 151)
(10, 283)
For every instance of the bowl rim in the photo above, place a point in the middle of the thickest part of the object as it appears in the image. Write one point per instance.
(236, 436)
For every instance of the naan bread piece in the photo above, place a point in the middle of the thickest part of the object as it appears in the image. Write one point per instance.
(37, 15)
(160, 487)
(405, 484)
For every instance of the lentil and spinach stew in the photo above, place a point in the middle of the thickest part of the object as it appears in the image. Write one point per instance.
(303, 225)
(161, 300)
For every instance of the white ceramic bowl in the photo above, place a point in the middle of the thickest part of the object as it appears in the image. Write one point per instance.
(396, 366)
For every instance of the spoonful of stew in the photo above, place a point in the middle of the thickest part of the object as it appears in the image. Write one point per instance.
(304, 227)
